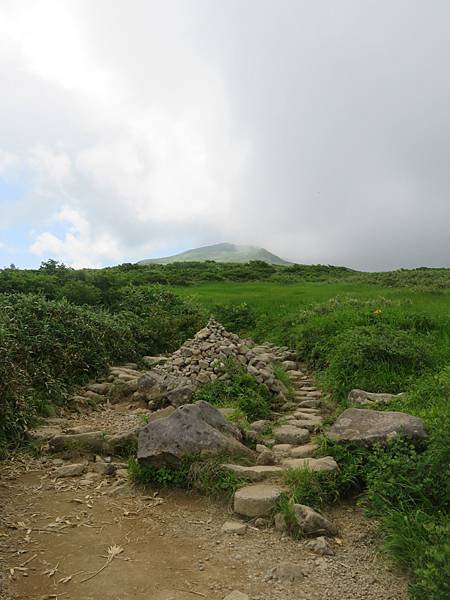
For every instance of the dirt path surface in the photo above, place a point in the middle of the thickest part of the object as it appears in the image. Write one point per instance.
(55, 533)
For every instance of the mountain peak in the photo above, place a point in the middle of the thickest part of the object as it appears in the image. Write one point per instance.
(222, 252)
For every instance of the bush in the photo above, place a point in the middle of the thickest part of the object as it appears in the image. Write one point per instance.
(49, 346)
(235, 317)
(160, 320)
(46, 347)
(378, 358)
(239, 390)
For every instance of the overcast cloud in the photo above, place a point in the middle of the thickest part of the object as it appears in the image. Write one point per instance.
(317, 129)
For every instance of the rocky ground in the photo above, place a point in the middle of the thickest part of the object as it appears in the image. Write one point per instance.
(74, 527)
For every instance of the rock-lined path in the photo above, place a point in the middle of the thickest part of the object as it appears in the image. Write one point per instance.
(61, 514)
(292, 445)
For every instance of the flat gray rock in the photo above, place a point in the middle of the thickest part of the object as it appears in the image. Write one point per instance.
(256, 500)
(364, 398)
(289, 434)
(366, 427)
(191, 430)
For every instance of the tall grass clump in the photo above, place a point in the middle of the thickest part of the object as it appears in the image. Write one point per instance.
(204, 475)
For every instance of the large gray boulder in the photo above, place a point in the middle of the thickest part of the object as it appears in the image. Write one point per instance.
(364, 398)
(366, 427)
(191, 430)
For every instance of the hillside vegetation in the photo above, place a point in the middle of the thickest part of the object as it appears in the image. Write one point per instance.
(385, 332)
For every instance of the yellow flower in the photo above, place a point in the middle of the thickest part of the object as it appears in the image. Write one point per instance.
(377, 312)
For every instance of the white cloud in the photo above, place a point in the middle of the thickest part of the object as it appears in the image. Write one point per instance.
(81, 246)
(8, 162)
(51, 167)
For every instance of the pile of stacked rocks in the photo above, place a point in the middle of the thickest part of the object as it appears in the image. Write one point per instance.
(203, 359)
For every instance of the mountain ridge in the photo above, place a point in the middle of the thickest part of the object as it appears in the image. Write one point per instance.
(222, 252)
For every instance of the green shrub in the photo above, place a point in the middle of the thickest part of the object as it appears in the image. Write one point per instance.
(159, 319)
(49, 346)
(46, 347)
(239, 390)
(235, 317)
(378, 358)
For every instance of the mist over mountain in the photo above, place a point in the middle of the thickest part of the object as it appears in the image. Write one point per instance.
(224, 252)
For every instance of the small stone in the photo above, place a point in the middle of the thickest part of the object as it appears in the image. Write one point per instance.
(320, 546)
(74, 470)
(266, 457)
(311, 522)
(260, 523)
(122, 473)
(260, 425)
(287, 571)
(234, 527)
(104, 468)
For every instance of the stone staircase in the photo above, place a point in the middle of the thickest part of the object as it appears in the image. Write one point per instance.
(291, 446)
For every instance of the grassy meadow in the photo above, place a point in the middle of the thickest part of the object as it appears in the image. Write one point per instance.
(276, 302)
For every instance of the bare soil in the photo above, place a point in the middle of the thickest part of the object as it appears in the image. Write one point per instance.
(56, 533)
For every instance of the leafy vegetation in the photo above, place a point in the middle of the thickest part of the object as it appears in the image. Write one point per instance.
(206, 476)
(239, 390)
(238, 318)
(49, 346)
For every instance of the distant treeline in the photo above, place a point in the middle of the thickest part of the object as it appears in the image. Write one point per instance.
(107, 286)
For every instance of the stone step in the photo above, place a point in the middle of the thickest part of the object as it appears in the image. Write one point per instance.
(296, 374)
(305, 451)
(327, 463)
(254, 473)
(256, 500)
(309, 388)
(306, 396)
(300, 414)
(289, 434)
(309, 411)
(310, 403)
(283, 450)
(309, 424)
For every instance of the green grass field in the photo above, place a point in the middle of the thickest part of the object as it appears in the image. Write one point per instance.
(277, 302)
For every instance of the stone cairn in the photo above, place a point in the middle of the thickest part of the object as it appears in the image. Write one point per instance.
(202, 359)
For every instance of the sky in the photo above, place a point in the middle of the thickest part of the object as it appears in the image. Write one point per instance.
(319, 130)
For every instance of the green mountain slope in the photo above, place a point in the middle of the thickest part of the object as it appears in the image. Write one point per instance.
(220, 253)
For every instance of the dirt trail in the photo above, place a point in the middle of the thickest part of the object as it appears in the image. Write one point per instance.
(55, 535)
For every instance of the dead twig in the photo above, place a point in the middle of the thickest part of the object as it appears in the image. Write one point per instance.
(113, 551)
